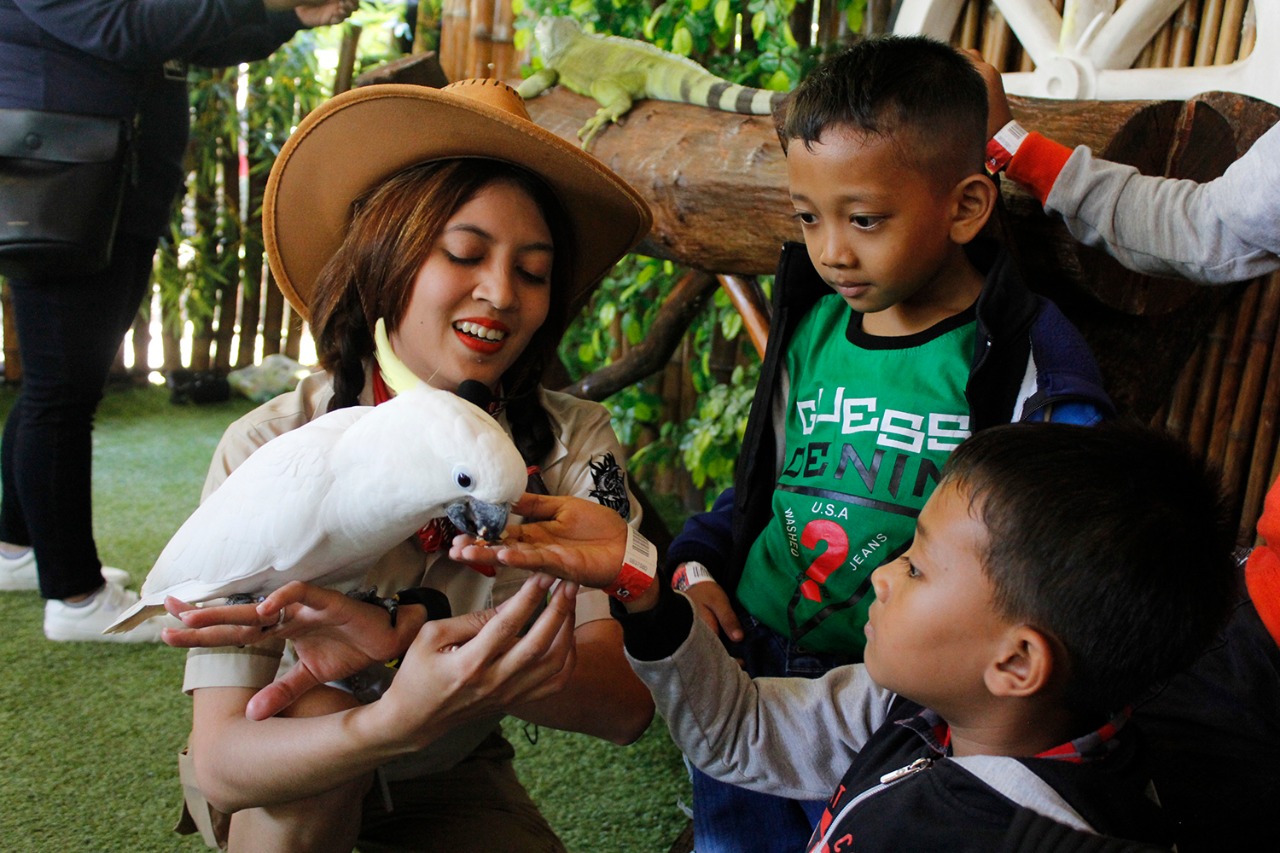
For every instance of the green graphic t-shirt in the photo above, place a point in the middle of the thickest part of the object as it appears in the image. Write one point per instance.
(870, 422)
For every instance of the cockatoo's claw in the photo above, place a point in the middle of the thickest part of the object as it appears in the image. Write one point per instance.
(244, 598)
(480, 519)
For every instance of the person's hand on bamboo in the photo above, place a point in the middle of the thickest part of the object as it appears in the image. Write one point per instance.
(998, 113)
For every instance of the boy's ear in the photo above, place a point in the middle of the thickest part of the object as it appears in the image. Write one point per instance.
(974, 199)
(1024, 665)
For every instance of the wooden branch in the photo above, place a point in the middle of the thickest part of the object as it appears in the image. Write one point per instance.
(749, 301)
(646, 357)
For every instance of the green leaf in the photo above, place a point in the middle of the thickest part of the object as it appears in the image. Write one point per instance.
(682, 41)
(758, 22)
(724, 14)
(608, 313)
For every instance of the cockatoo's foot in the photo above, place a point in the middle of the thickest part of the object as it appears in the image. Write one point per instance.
(436, 602)
(244, 598)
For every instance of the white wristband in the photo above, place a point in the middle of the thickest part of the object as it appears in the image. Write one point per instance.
(639, 568)
(688, 574)
(1002, 146)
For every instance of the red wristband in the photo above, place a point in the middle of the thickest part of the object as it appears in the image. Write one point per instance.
(639, 568)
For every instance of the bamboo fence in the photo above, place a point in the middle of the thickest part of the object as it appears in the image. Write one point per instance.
(1225, 402)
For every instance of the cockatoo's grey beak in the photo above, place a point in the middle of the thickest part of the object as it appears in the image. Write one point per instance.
(478, 518)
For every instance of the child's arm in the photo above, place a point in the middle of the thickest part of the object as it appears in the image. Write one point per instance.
(790, 737)
(1221, 231)
(693, 559)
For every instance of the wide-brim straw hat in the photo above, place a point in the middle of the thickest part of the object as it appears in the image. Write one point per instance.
(361, 137)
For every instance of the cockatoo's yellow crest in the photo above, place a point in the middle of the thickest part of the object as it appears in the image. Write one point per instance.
(398, 377)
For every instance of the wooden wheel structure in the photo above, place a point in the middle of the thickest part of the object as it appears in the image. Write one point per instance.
(1086, 51)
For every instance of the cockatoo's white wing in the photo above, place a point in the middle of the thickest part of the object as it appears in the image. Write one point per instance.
(322, 503)
(262, 519)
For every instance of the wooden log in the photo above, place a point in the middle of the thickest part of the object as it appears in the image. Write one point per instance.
(422, 69)
(717, 186)
(1228, 47)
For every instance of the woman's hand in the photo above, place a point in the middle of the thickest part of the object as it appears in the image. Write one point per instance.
(333, 636)
(568, 537)
(481, 663)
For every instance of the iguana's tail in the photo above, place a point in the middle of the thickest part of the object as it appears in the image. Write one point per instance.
(707, 90)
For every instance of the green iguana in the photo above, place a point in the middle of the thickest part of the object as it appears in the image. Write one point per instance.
(616, 71)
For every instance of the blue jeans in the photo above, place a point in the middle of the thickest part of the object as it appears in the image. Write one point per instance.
(729, 819)
(69, 330)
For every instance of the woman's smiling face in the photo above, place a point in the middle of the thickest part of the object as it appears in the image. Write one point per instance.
(482, 293)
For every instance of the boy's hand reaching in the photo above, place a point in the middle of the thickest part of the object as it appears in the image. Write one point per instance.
(712, 605)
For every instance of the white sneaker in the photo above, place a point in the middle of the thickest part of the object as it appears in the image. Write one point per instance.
(63, 622)
(19, 574)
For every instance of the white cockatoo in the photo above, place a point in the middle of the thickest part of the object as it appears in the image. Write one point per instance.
(323, 502)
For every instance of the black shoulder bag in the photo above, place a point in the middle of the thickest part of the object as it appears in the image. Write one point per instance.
(62, 178)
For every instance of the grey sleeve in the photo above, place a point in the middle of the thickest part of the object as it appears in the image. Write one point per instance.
(791, 737)
(1221, 231)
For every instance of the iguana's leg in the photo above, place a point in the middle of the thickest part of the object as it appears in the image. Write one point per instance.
(538, 83)
(614, 99)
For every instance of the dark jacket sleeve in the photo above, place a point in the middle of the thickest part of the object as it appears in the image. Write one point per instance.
(706, 538)
(143, 33)
(247, 43)
(1030, 832)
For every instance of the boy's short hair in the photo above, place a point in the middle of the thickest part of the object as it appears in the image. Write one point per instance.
(1114, 540)
(922, 93)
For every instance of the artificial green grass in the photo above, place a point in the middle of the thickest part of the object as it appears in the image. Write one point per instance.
(89, 732)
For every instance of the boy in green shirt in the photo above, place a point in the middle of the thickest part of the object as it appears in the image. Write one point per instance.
(895, 334)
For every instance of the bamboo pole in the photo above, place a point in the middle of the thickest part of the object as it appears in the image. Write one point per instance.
(1207, 39)
(1244, 417)
(1182, 400)
(1214, 349)
(505, 63)
(996, 37)
(1232, 372)
(1264, 444)
(455, 18)
(1184, 34)
(480, 40)
(970, 26)
(1229, 32)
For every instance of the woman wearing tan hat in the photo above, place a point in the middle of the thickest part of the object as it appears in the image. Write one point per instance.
(436, 235)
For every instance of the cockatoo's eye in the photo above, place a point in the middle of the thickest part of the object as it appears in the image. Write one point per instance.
(463, 477)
